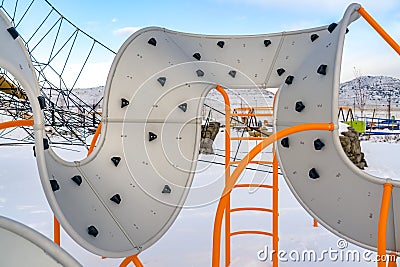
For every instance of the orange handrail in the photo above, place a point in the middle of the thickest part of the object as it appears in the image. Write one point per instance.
(94, 140)
(382, 224)
(227, 171)
(379, 29)
(222, 205)
(17, 123)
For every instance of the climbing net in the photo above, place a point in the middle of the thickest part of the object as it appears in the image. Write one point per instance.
(66, 59)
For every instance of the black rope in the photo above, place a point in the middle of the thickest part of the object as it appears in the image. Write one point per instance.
(23, 16)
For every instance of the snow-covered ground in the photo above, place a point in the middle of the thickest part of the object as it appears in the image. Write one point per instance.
(189, 241)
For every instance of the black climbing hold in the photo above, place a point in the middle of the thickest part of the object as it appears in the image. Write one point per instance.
(267, 43)
(280, 71)
(347, 30)
(299, 106)
(46, 143)
(221, 44)
(332, 27)
(152, 41)
(318, 144)
(124, 102)
(200, 73)
(322, 69)
(77, 179)
(183, 107)
(313, 174)
(42, 102)
(93, 231)
(314, 37)
(54, 185)
(152, 136)
(232, 73)
(162, 80)
(167, 189)
(13, 32)
(197, 56)
(45, 146)
(116, 160)
(289, 79)
(285, 142)
(116, 198)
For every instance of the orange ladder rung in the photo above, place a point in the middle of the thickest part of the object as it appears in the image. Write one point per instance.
(251, 232)
(251, 209)
(254, 162)
(247, 138)
(251, 115)
(253, 185)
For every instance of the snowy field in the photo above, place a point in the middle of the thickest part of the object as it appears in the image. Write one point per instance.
(189, 241)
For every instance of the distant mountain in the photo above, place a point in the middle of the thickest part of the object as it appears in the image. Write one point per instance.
(371, 90)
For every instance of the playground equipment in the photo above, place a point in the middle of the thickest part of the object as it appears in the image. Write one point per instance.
(38, 250)
(127, 193)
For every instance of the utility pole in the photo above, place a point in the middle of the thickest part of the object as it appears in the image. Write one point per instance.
(390, 100)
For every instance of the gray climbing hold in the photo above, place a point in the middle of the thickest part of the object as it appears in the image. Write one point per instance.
(162, 80)
(167, 189)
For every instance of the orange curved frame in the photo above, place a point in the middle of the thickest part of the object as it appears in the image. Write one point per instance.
(227, 169)
(223, 203)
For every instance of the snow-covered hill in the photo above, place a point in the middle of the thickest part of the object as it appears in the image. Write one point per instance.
(376, 90)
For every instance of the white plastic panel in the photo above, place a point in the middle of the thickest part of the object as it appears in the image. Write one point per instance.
(146, 167)
(22, 246)
(343, 198)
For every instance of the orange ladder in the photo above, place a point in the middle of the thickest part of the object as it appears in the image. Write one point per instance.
(273, 186)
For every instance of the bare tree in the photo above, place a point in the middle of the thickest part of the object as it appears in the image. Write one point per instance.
(360, 90)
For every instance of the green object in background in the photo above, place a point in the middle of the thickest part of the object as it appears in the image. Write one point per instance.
(359, 126)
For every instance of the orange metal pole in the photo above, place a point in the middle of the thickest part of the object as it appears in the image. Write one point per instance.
(57, 231)
(382, 225)
(392, 260)
(239, 169)
(128, 260)
(379, 29)
(275, 211)
(94, 140)
(227, 173)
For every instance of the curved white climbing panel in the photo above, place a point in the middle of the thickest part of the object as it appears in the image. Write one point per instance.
(20, 246)
(126, 195)
(128, 192)
(343, 198)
